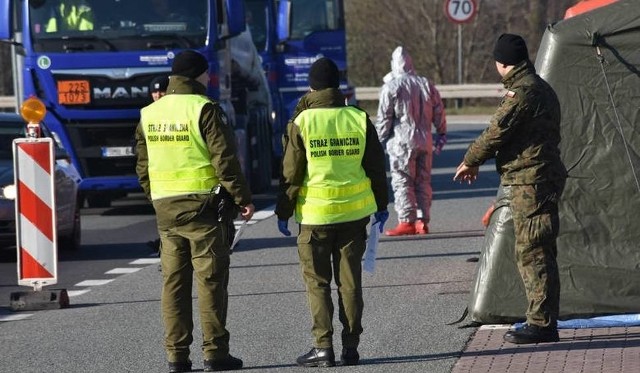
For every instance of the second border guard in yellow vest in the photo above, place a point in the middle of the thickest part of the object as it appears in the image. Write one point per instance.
(186, 150)
(333, 178)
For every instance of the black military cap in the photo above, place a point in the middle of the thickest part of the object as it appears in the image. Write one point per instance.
(159, 83)
(324, 74)
(190, 64)
(510, 49)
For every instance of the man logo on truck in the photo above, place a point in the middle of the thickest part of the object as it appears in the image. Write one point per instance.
(116, 93)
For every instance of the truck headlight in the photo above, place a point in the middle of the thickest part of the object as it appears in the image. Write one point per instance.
(8, 191)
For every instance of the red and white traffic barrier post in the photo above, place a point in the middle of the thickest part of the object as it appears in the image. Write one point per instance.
(36, 236)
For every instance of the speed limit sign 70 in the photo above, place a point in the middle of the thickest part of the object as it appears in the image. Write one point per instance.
(460, 11)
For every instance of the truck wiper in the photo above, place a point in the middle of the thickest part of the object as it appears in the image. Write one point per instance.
(85, 46)
(167, 41)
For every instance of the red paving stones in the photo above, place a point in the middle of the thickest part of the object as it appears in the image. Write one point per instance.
(607, 350)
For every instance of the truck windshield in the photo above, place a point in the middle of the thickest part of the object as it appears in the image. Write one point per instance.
(309, 16)
(116, 25)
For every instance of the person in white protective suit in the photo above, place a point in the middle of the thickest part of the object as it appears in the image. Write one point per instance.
(408, 105)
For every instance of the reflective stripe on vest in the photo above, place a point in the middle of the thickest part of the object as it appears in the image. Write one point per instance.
(179, 160)
(336, 188)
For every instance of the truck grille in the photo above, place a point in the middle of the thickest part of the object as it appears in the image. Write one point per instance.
(91, 140)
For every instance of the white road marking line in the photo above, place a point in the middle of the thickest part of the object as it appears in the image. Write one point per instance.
(458, 146)
(263, 214)
(257, 217)
(119, 271)
(93, 282)
(75, 293)
(145, 261)
(15, 317)
(479, 190)
(452, 170)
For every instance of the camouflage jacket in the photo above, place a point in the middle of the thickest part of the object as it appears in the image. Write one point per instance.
(294, 162)
(524, 133)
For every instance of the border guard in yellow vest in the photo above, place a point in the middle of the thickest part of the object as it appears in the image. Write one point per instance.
(333, 178)
(186, 152)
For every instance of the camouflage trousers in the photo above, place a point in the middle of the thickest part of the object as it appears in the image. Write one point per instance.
(536, 224)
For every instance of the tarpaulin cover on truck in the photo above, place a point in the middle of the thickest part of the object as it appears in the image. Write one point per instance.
(593, 62)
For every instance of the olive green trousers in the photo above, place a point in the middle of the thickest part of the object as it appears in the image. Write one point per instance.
(334, 250)
(197, 249)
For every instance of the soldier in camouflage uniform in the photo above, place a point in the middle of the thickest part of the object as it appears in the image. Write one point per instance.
(523, 135)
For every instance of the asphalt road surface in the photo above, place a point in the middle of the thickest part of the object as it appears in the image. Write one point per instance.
(114, 324)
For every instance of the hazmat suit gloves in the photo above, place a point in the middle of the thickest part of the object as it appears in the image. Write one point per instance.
(441, 139)
(283, 227)
(381, 216)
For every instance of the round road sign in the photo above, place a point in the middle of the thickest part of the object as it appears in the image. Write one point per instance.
(460, 11)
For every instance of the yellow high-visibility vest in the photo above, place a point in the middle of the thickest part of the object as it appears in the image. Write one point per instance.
(73, 17)
(336, 188)
(179, 160)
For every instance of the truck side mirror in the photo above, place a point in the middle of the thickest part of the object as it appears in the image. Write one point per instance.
(235, 17)
(6, 20)
(61, 154)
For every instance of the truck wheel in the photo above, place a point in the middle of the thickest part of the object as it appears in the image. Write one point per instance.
(265, 152)
(71, 242)
(260, 161)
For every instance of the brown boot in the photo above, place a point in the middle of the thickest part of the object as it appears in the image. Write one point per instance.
(402, 229)
(421, 227)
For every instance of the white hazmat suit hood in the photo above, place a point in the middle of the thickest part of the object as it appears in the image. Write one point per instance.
(400, 63)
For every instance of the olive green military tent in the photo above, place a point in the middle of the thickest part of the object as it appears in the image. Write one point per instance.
(593, 63)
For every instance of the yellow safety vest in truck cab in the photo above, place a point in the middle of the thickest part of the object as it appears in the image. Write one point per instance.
(73, 15)
(179, 161)
(336, 188)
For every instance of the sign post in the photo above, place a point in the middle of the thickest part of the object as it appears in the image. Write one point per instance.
(459, 12)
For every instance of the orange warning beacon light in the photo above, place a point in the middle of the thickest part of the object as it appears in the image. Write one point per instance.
(33, 111)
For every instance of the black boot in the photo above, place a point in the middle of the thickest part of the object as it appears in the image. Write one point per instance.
(350, 356)
(179, 366)
(532, 334)
(227, 363)
(317, 357)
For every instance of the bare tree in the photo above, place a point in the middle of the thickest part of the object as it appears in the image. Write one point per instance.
(376, 27)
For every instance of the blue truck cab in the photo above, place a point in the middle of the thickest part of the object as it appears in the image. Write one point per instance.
(290, 35)
(91, 62)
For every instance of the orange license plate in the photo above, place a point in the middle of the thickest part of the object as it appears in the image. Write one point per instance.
(73, 92)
